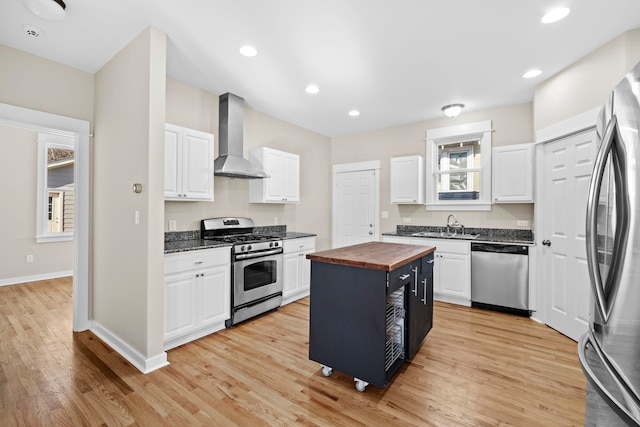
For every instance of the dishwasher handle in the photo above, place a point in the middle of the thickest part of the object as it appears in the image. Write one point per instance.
(500, 248)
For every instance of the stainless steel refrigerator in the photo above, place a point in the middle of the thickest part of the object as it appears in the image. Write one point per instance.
(610, 351)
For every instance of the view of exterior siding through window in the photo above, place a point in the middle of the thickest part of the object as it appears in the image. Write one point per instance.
(60, 188)
(459, 170)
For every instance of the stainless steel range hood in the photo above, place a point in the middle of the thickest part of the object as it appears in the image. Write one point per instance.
(230, 162)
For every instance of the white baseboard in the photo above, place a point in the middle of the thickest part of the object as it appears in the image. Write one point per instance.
(292, 298)
(35, 278)
(125, 350)
(193, 335)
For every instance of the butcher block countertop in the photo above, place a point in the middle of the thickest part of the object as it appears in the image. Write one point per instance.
(373, 255)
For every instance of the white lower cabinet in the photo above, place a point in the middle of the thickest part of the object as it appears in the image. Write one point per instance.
(452, 268)
(297, 268)
(197, 289)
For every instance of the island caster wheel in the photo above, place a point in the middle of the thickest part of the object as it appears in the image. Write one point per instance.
(326, 371)
(361, 385)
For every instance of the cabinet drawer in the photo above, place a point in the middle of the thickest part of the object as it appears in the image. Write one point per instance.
(402, 276)
(295, 245)
(204, 258)
(444, 245)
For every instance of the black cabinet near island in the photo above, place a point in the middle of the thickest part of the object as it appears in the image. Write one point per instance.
(371, 307)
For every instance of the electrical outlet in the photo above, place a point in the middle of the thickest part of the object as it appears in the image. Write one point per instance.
(136, 217)
(406, 220)
(29, 258)
(522, 223)
(384, 214)
(172, 225)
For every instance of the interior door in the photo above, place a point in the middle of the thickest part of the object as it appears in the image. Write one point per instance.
(355, 211)
(568, 165)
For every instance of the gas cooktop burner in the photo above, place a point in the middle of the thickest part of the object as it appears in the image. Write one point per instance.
(243, 238)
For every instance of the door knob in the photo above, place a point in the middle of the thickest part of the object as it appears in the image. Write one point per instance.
(371, 225)
(546, 242)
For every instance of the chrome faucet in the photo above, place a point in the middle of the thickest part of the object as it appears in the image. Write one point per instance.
(452, 222)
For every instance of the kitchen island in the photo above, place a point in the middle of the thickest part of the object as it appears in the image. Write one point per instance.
(371, 307)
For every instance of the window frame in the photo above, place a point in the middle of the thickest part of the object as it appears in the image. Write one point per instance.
(46, 141)
(481, 131)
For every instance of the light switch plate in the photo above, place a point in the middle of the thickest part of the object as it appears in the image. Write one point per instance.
(384, 214)
(522, 223)
(406, 220)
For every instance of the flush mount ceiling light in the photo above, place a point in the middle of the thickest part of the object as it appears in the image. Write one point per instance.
(555, 15)
(312, 89)
(452, 110)
(531, 74)
(249, 51)
(50, 10)
(354, 113)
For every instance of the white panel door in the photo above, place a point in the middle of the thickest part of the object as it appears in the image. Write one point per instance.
(567, 172)
(356, 208)
(215, 305)
(172, 158)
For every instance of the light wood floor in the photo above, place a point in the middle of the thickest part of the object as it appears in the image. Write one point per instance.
(476, 368)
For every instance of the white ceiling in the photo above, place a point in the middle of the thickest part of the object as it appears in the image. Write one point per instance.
(395, 61)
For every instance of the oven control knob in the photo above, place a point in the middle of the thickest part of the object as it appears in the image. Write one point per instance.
(276, 244)
(249, 247)
(242, 248)
(270, 244)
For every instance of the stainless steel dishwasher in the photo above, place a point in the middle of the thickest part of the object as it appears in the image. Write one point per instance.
(500, 277)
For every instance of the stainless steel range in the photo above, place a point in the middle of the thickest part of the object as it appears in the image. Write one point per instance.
(256, 266)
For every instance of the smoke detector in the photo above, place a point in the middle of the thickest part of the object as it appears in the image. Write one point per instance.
(32, 31)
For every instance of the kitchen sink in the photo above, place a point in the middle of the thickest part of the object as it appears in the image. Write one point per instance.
(446, 235)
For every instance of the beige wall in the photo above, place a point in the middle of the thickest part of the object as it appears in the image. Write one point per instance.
(586, 84)
(192, 107)
(128, 148)
(36, 83)
(512, 125)
(18, 175)
(39, 84)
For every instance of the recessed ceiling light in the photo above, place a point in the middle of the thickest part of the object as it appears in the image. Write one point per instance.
(312, 89)
(248, 51)
(531, 74)
(555, 15)
(354, 113)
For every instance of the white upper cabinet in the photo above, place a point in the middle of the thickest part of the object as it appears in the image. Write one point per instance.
(188, 164)
(283, 184)
(407, 180)
(512, 180)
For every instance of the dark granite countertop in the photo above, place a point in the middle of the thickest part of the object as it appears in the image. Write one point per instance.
(175, 246)
(488, 235)
(184, 241)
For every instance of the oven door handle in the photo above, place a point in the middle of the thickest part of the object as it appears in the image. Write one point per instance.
(259, 254)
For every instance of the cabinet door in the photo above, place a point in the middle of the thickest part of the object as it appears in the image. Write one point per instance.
(512, 172)
(215, 302)
(172, 162)
(420, 307)
(453, 275)
(305, 270)
(179, 304)
(291, 274)
(407, 179)
(197, 171)
(291, 178)
(273, 167)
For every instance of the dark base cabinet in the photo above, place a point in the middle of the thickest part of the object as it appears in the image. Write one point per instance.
(366, 322)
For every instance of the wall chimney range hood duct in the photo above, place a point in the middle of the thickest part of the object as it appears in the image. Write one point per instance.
(230, 162)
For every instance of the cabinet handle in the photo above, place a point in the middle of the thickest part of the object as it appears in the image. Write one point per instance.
(404, 276)
(424, 282)
(430, 261)
(198, 262)
(415, 281)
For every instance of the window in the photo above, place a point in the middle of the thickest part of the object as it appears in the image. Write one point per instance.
(459, 167)
(56, 188)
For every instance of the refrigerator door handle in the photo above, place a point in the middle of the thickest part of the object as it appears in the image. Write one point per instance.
(622, 411)
(611, 144)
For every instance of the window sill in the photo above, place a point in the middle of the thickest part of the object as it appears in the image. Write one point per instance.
(52, 239)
